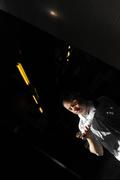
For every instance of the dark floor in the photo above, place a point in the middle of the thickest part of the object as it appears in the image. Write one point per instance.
(33, 155)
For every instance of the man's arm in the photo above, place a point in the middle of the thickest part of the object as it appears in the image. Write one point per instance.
(94, 146)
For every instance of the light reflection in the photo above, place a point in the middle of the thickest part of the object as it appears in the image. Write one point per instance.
(53, 13)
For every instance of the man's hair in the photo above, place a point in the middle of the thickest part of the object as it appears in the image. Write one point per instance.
(70, 96)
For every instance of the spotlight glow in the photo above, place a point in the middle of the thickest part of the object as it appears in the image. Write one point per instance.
(53, 13)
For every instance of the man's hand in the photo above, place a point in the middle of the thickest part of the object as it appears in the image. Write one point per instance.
(86, 131)
(78, 135)
(84, 134)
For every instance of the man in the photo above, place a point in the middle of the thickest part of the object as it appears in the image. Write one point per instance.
(99, 122)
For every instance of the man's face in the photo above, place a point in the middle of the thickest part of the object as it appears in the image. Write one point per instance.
(75, 107)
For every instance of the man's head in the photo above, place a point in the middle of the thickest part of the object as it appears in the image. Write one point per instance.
(75, 107)
(74, 103)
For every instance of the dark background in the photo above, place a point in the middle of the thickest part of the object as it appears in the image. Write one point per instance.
(91, 25)
(32, 142)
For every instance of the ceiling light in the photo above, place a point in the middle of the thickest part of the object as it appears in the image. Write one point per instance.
(68, 54)
(53, 13)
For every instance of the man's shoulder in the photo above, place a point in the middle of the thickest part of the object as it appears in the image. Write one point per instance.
(105, 99)
(105, 102)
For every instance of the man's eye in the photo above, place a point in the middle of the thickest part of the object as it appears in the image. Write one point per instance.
(73, 105)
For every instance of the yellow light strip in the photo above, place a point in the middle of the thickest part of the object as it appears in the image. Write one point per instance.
(37, 96)
(35, 99)
(40, 109)
(23, 74)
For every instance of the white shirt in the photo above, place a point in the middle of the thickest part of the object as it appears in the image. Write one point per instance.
(86, 119)
(101, 132)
